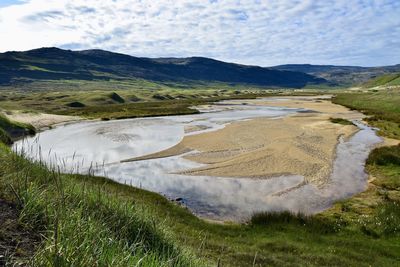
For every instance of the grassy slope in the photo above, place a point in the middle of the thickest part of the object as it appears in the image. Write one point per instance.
(383, 107)
(10, 130)
(384, 80)
(97, 100)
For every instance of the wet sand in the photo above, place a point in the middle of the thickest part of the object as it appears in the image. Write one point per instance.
(302, 144)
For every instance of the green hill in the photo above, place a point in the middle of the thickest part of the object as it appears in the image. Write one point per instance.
(384, 80)
(341, 75)
(98, 65)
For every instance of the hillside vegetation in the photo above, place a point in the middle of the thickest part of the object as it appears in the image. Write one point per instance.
(384, 80)
(343, 76)
(97, 65)
(383, 108)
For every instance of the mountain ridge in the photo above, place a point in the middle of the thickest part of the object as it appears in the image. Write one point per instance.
(341, 75)
(58, 64)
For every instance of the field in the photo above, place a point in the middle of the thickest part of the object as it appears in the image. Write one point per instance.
(383, 108)
(118, 100)
(107, 100)
(84, 220)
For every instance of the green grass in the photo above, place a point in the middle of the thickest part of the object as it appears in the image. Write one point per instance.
(385, 156)
(127, 101)
(382, 107)
(10, 130)
(56, 96)
(384, 80)
(377, 209)
(81, 224)
(5, 137)
(341, 121)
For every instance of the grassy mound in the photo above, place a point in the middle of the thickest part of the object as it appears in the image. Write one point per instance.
(341, 121)
(312, 223)
(117, 98)
(385, 156)
(10, 130)
(4, 137)
(76, 104)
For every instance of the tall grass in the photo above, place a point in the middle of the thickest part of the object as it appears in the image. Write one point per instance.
(341, 121)
(84, 225)
(383, 108)
(10, 129)
(311, 223)
(5, 137)
(385, 156)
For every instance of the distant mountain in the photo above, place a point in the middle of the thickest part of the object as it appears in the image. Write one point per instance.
(341, 75)
(58, 64)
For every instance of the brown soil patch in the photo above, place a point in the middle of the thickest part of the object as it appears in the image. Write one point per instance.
(17, 244)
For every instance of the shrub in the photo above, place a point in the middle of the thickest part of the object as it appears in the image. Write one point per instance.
(341, 121)
(312, 223)
(385, 156)
(117, 98)
(4, 137)
(76, 104)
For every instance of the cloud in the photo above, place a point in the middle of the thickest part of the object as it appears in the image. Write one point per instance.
(256, 32)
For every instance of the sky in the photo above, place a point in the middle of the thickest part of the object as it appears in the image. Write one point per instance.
(256, 32)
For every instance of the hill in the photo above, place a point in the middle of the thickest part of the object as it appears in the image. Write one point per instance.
(384, 80)
(341, 75)
(92, 65)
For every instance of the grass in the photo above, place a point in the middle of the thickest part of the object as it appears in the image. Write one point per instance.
(384, 80)
(382, 107)
(341, 121)
(10, 130)
(376, 209)
(115, 100)
(81, 224)
(5, 137)
(98, 100)
(385, 156)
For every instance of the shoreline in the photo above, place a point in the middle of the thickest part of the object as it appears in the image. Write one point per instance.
(300, 144)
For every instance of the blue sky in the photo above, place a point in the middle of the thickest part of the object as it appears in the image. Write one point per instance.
(266, 33)
(4, 3)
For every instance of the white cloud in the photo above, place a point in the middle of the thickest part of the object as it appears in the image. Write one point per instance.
(258, 32)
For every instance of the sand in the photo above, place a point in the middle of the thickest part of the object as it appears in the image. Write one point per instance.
(302, 144)
(40, 120)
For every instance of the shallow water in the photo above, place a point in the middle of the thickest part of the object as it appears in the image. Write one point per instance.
(78, 146)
